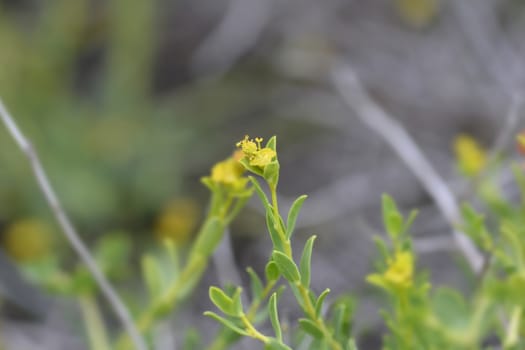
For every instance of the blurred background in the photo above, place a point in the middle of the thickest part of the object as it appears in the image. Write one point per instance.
(130, 102)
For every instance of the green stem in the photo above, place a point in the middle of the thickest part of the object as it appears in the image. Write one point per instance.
(97, 335)
(277, 222)
(309, 310)
(512, 337)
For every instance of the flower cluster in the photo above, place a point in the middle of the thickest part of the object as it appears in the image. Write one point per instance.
(256, 155)
(400, 270)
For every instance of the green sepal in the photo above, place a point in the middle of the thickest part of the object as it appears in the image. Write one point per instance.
(306, 262)
(292, 215)
(274, 317)
(311, 328)
(246, 164)
(271, 173)
(222, 301)
(286, 266)
(320, 301)
(227, 323)
(272, 143)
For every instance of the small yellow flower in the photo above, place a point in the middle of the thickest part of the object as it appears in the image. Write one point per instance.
(257, 155)
(471, 157)
(400, 270)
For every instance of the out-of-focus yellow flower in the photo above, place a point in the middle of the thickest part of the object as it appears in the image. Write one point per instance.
(417, 13)
(227, 172)
(28, 239)
(471, 157)
(178, 220)
(400, 270)
(520, 141)
(257, 155)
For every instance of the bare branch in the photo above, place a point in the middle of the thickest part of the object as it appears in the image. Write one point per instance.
(69, 230)
(349, 87)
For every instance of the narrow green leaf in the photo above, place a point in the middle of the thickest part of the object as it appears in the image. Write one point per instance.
(256, 285)
(320, 301)
(392, 218)
(227, 323)
(274, 344)
(236, 301)
(292, 215)
(311, 328)
(152, 274)
(274, 317)
(222, 301)
(271, 271)
(306, 262)
(409, 221)
(260, 193)
(286, 266)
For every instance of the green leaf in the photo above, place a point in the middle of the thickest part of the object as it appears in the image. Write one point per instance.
(451, 309)
(237, 303)
(152, 275)
(292, 215)
(256, 285)
(392, 219)
(271, 271)
(320, 301)
(306, 262)
(286, 266)
(274, 344)
(222, 301)
(260, 193)
(274, 317)
(227, 323)
(311, 328)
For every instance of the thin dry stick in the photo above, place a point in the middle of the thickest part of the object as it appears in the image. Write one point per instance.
(349, 86)
(69, 230)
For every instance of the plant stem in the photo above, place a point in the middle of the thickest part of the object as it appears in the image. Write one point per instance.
(97, 334)
(511, 339)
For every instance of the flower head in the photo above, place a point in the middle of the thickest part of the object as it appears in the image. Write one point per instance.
(400, 270)
(256, 155)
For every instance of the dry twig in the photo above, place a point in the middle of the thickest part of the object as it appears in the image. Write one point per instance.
(69, 230)
(350, 88)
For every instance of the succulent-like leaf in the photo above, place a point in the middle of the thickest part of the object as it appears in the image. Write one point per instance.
(292, 215)
(274, 317)
(311, 328)
(306, 262)
(286, 266)
(222, 301)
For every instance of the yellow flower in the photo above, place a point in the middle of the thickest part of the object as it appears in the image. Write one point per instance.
(227, 172)
(400, 270)
(471, 157)
(178, 220)
(28, 239)
(257, 155)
